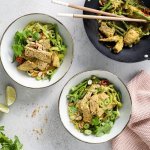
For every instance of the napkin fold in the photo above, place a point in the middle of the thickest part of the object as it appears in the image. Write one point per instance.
(136, 135)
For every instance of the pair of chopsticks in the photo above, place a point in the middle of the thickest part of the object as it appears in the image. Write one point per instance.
(107, 16)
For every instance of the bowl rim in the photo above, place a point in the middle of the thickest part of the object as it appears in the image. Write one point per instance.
(68, 116)
(49, 17)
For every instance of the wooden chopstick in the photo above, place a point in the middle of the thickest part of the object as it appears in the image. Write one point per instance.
(85, 8)
(101, 17)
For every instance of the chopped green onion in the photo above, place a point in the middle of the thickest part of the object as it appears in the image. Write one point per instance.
(87, 132)
(86, 126)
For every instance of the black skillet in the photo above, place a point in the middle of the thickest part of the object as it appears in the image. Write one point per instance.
(137, 53)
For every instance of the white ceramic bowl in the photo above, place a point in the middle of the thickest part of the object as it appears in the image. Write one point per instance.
(120, 123)
(7, 52)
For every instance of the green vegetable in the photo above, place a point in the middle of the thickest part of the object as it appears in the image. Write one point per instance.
(119, 96)
(95, 79)
(77, 87)
(51, 31)
(119, 104)
(106, 6)
(125, 24)
(27, 33)
(40, 36)
(77, 92)
(86, 126)
(19, 42)
(9, 144)
(72, 109)
(102, 104)
(87, 132)
(38, 78)
(51, 73)
(117, 113)
(107, 101)
(95, 121)
(36, 36)
(103, 129)
(20, 38)
(103, 116)
(113, 117)
(107, 127)
(1, 128)
(126, 8)
(142, 15)
(18, 49)
(112, 24)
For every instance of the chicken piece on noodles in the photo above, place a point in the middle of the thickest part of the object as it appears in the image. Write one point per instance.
(117, 39)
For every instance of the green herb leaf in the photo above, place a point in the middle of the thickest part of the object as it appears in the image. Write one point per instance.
(19, 43)
(20, 38)
(18, 49)
(8, 144)
(1, 128)
(95, 121)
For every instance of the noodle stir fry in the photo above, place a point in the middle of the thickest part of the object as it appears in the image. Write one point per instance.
(39, 50)
(117, 35)
(93, 106)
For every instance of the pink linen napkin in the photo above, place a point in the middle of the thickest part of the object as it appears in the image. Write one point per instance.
(136, 135)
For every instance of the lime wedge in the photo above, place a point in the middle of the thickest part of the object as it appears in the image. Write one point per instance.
(4, 108)
(10, 95)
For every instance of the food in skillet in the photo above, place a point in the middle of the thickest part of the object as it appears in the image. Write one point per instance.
(93, 106)
(39, 50)
(117, 35)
